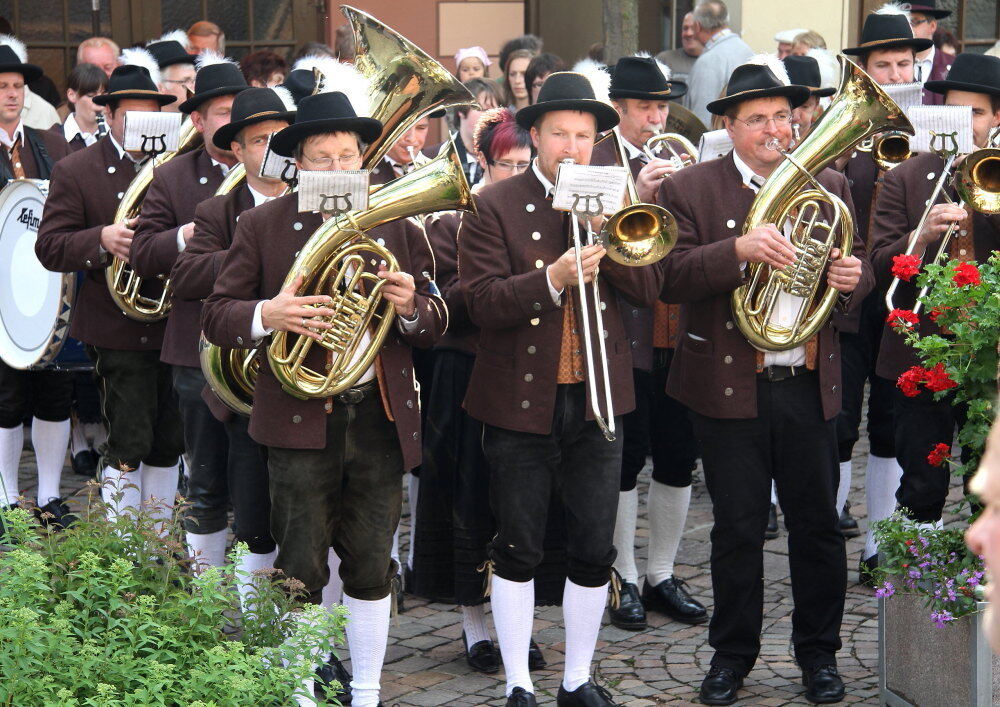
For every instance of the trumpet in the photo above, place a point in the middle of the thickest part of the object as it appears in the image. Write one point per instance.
(652, 146)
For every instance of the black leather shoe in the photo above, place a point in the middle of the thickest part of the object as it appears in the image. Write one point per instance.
(848, 526)
(823, 684)
(865, 569)
(520, 697)
(720, 686)
(326, 674)
(536, 661)
(630, 614)
(771, 531)
(587, 695)
(482, 657)
(671, 597)
(85, 463)
(55, 514)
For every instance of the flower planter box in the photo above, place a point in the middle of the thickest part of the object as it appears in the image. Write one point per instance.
(926, 666)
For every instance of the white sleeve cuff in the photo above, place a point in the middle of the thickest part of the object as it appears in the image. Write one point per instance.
(181, 243)
(553, 292)
(257, 329)
(408, 324)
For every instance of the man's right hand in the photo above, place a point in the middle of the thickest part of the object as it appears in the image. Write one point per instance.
(765, 244)
(288, 312)
(562, 273)
(940, 218)
(647, 183)
(117, 238)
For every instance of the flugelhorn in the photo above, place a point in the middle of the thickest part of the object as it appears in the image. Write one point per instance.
(860, 109)
(653, 145)
(123, 283)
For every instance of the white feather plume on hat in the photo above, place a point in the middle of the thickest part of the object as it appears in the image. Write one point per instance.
(598, 75)
(664, 69)
(772, 62)
(138, 56)
(176, 35)
(286, 97)
(210, 57)
(894, 8)
(16, 45)
(338, 76)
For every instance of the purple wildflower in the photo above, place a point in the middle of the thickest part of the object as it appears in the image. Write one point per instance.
(885, 591)
(941, 618)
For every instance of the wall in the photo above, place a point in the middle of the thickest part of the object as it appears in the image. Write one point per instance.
(760, 20)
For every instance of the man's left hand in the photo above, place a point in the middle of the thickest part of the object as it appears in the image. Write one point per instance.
(400, 289)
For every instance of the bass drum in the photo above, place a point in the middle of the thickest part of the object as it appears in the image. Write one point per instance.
(35, 304)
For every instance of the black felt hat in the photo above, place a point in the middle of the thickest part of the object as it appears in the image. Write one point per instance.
(254, 105)
(300, 83)
(641, 77)
(929, 7)
(131, 81)
(214, 80)
(750, 81)
(887, 32)
(567, 90)
(10, 62)
(804, 71)
(169, 52)
(978, 73)
(324, 113)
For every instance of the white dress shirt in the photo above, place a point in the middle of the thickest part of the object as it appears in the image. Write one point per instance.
(71, 129)
(550, 189)
(9, 140)
(924, 66)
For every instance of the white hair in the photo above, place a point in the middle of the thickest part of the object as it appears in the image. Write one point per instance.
(17, 45)
(598, 76)
(894, 8)
(340, 76)
(137, 56)
(772, 62)
(664, 69)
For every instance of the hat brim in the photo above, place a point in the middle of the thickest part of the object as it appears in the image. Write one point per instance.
(944, 85)
(284, 142)
(105, 99)
(822, 92)
(797, 95)
(225, 135)
(916, 43)
(173, 61)
(677, 89)
(606, 116)
(930, 11)
(30, 72)
(192, 104)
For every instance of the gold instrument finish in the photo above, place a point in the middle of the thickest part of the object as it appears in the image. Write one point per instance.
(861, 109)
(123, 284)
(652, 146)
(230, 373)
(978, 179)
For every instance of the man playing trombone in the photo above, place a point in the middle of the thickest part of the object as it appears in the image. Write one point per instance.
(759, 416)
(529, 385)
(921, 421)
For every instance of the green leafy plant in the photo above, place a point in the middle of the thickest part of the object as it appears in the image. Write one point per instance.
(109, 613)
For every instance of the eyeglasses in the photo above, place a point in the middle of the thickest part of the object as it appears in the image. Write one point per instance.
(327, 162)
(758, 122)
(187, 83)
(515, 167)
(914, 22)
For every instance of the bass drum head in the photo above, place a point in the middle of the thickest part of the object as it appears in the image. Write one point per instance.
(34, 303)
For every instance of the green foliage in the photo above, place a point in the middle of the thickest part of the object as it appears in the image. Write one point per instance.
(108, 613)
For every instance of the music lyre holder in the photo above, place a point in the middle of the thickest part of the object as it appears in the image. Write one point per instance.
(341, 204)
(153, 145)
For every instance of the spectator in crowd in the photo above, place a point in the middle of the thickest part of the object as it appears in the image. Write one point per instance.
(80, 127)
(946, 41)
(100, 51)
(206, 35)
(320, 49)
(681, 60)
(176, 66)
(809, 43)
(596, 53)
(343, 44)
(724, 51)
(785, 40)
(464, 119)
(263, 69)
(514, 83)
(525, 41)
(983, 537)
(538, 70)
(471, 63)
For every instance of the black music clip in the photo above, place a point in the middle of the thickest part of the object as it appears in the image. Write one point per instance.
(290, 174)
(337, 199)
(153, 145)
(587, 210)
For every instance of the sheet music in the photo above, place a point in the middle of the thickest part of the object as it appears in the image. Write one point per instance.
(151, 131)
(277, 167)
(906, 95)
(952, 124)
(333, 192)
(594, 190)
(714, 144)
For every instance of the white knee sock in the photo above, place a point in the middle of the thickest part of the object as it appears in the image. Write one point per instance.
(474, 625)
(208, 549)
(246, 583)
(78, 438)
(159, 490)
(881, 483)
(774, 494)
(367, 634)
(412, 497)
(11, 444)
(844, 487)
(667, 508)
(50, 440)
(583, 608)
(394, 553)
(121, 491)
(513, 617)
(628, 512)
(334, 589)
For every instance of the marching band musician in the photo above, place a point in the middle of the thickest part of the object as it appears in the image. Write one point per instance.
(145, 438)
(335, 465)
(45, 396)
(887, 52)
(528, 386)
(81, 128)
(759, 416)
(921, 421)
(804, 71)
(178, 72)
(640, 88)
(166, 224)
(405, 153)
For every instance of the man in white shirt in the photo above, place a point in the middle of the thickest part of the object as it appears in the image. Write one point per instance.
(724, 51)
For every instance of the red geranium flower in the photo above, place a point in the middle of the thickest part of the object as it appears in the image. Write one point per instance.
(937, 379)
(901, 319)
(905, 266)
(909, 382)
(939, 454)
(966, 274)
(937, 312)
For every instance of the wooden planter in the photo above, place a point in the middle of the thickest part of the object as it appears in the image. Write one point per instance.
(921, 665)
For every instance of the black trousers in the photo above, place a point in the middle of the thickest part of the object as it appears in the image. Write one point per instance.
(859, 353)
(659, 425)
(227, 467)
(347, 495)
(788, 442)
(921, 423)
(139, 408)
(46, 395)
(576, 464)
(86, 397)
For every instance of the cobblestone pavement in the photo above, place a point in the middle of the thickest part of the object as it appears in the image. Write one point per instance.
(663, 665)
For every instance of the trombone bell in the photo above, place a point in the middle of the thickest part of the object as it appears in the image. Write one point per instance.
(978, 181)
